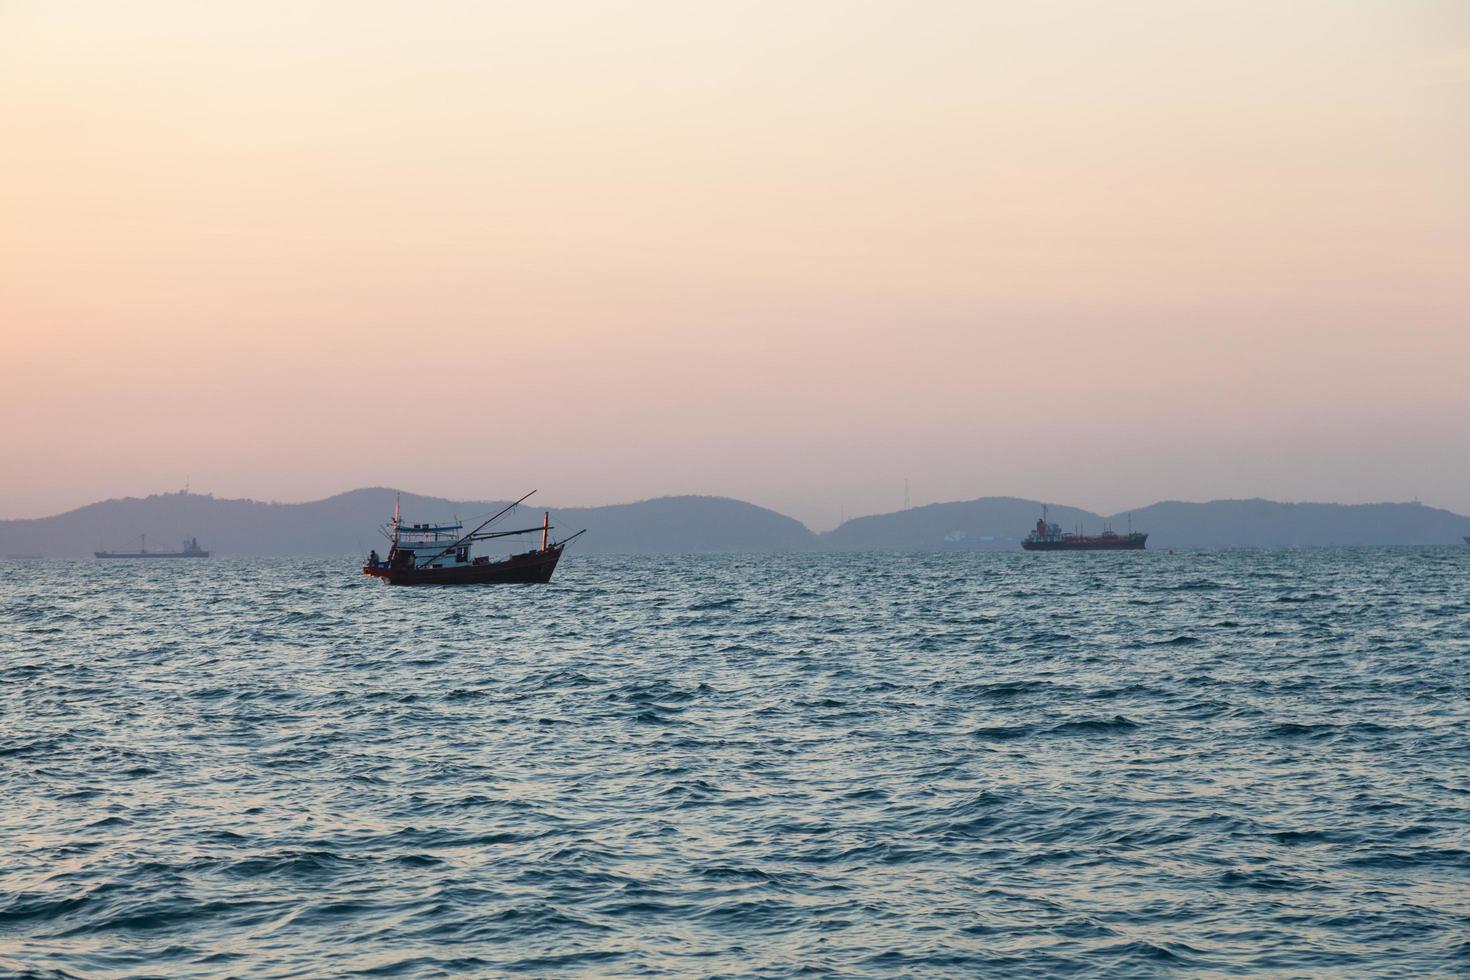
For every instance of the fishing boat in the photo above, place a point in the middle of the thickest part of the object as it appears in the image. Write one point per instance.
(439, 554)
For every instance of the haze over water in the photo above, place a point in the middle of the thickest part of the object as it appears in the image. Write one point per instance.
(860, 764)
(1075, 251)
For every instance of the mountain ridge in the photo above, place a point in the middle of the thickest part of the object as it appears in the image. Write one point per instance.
(1000, 523)
(346, 524)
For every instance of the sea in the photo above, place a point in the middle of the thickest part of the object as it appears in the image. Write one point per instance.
(855, 765)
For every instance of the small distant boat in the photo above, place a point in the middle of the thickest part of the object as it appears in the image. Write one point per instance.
(1050, 537)
(438, 554)
(189, 549)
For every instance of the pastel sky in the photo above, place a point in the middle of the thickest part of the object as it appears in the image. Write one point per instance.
(794, 252)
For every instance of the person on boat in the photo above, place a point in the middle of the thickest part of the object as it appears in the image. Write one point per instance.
(373, 557)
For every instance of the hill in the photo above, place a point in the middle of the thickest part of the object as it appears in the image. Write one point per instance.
(1268, 523)
(346, 525)
(989, 523)
(1001, 522)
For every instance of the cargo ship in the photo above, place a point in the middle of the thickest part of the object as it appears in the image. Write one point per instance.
(189, 549)
(1051, 537)
(438, 554)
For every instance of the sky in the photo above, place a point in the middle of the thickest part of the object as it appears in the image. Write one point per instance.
(796, 253)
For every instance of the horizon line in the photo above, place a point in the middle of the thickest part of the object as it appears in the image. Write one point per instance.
(188, 492)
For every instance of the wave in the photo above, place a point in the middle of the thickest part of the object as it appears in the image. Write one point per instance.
(958, 764)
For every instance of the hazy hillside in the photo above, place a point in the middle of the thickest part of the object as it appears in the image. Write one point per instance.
(346, 525)
(687, 524)
(1255, 523)
(1001, 523)
(987, 523)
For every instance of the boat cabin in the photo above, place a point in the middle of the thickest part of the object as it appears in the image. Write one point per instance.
(434, 545)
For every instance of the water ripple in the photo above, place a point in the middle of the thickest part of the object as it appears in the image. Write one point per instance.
(741, 765)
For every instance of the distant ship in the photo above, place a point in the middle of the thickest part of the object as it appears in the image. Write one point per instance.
(190, 549)
(438, 554)
(1050, 537)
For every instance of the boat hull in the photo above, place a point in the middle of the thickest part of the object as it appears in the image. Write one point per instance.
(531, 568)
(1133, 542)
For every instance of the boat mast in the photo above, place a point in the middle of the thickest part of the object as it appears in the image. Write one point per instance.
(393, 547)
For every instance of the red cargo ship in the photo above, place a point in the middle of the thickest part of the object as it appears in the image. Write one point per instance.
(1050, 537)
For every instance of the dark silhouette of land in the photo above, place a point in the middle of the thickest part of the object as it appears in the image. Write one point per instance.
(346, 525)
(1001, 523)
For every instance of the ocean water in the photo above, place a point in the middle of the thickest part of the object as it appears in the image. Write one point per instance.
(870, 765)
